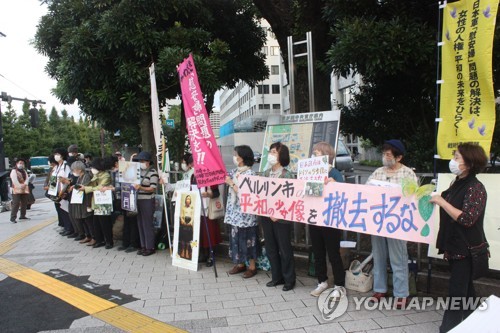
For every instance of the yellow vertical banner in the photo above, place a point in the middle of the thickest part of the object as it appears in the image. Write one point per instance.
(467, 105)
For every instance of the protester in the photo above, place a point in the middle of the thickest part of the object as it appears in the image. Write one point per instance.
(59, 179)
(461, 225)
(103, 225)
(20, 191)
(324, 239)
(394, 172)
(52, 167)
(244, 235)
(277, 232)
(31, 185)
(213, 236)
(72, 154)
(185, 250)
(145, 203)
(81, 212)
(87, 159)
(130, 233)
(119, 156)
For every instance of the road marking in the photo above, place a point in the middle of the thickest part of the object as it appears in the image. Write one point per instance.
(109, 312)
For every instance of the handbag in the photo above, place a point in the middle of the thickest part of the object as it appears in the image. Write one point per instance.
(480, 255)
(215, 207)
(359, 276)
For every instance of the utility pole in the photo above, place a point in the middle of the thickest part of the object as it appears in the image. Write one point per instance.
(34, 119)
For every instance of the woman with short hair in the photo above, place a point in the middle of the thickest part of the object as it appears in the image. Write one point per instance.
(278, 232)
(461, 226)
(244, 240)
(81, 212)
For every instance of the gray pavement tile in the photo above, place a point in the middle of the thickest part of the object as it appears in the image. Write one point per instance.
(175, 294)
(232, 329)
(189, 300)
(159, 302)
(265, 327)
(87, 321)
(344, 317)
(359, 325)
(365, 314)
(288, 305)
(205, 292)
(190, 315)
(249, 294)
(217, 298)
(190, 287)
(243, 320)
(268, 300)
(393, 321)
(237, 303)
(325, 328)
(277, 315)
(207, 306)
(217, 285)
(256, 309)
(301, 322)
(232, 290)
(424, 317)
(175, 308)
(224, 313)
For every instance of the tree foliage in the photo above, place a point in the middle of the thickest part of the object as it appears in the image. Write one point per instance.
(392, 44)
(100, 51)
(55, 131)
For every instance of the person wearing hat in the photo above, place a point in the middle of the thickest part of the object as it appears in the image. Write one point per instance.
(392, 171)
(20, 190)
(145, 203)
(119, 156)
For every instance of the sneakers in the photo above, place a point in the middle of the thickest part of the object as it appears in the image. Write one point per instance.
(319, 289)
(338, 292)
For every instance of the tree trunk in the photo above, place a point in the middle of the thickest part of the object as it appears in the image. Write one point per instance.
(147, 136)
(281, 15)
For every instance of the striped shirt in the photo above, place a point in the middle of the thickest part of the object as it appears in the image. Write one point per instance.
(395, 177)
(149, 178)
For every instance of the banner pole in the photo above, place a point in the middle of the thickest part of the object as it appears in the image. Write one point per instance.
(212, 254)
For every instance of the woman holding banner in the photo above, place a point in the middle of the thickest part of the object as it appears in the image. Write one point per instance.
(244, 240)
(327, 240)
(461, 226)
(277, 233)
(393, 171)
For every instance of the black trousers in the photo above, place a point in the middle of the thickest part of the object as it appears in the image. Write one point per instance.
(460, 285)
(279, 250)
(327, 240)
(130, 235)
(64, 219)
(103, 229)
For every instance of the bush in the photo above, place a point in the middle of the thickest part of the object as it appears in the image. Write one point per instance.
(371, 163)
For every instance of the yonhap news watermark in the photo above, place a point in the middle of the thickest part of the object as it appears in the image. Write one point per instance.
(331, 308)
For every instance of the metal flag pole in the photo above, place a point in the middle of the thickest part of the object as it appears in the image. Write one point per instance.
(212, 254)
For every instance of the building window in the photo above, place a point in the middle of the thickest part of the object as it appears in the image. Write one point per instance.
(264, 106)
(275, 69)
(275, 50)
(264, 50)
(263, 89)
(276, 106)
(276, 88)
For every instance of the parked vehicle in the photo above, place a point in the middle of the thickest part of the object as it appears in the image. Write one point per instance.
(39, 164)
(343, 161)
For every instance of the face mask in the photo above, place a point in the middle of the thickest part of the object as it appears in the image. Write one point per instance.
(389, 163)
(94, 171)
(272, 159)
(76, 174)
(235, 161)
(184, 167)
(144, 165)
(454, 168)
(20, 166)
(71, 154)
(57, 158)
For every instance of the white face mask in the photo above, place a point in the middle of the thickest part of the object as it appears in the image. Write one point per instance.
(76, 174)
(184, 167)
(454, 168)
(94, 171)
(20, 166)
(71, 154)
(57, 157)
(388, 162)
(144, 165)
(235, 161)
(272, 159)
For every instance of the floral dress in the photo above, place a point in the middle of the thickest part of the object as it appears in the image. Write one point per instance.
(244, 240)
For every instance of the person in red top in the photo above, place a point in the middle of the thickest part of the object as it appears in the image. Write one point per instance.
(20, 191)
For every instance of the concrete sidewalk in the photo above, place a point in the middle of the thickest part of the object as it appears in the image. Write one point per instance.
(194, 301)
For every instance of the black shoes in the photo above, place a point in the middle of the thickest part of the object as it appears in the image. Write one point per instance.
(275, 283)
(73, 235)
(96, 245)
(146, 253)
(210, 262)
(130, 249)
(66, 233)
(289, 286)
(24, 218)
(13, 221)
(79, 238)
(108, 246)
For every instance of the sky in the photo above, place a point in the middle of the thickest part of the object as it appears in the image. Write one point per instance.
(22, 71)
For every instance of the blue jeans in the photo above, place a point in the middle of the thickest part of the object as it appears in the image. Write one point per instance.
(398, 256)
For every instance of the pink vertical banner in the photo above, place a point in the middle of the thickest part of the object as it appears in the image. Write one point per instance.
(208, 165)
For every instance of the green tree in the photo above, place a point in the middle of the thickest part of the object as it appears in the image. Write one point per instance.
(99, 52)
(392, 44)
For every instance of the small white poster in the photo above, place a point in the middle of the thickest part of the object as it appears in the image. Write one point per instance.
(129, 172)
(314, 171)
(103, 202)
(77, 196)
